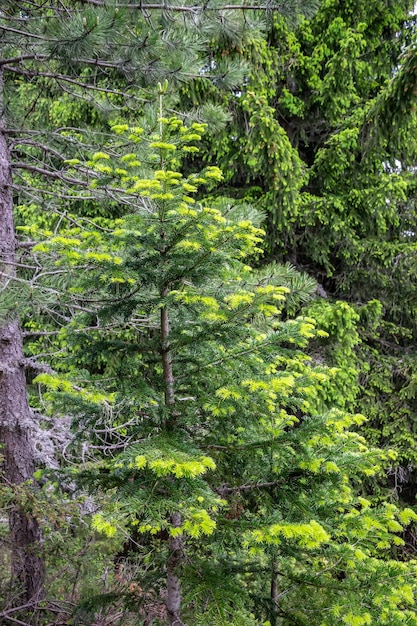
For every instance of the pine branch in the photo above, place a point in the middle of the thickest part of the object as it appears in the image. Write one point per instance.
(197, 9)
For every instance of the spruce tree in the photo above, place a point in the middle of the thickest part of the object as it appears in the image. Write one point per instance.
(324, 140)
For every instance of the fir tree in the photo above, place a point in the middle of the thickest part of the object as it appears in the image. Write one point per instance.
(223, 465)
(97, 53)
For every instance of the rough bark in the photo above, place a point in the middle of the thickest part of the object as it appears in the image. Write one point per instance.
(16, 420)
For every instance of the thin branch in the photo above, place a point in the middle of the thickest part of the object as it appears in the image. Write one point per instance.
(13, 619)
(248, 487)
(15, 609)
(184, 9)
(40, 333)
(36, 144)
(44, 57)
(26, 244)
(16, 264)
(50, 174)
(9, 29)
(22, 57)
(32, 363)
(73, 81)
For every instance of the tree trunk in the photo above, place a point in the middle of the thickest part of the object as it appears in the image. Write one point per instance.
(166, 355)
(175, 544)
(16, 420)
(274, 593)
(174, 594)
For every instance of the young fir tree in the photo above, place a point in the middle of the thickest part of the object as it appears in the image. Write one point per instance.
(217, 458)
(101, 54)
